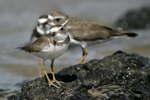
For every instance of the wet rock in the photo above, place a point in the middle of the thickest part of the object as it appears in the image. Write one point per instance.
(120, 76)
(135, 19)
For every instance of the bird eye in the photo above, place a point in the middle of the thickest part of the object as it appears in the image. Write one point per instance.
(62, 29)
(57, 19)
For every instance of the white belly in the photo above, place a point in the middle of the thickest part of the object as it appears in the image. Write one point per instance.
(58, 51)
(84, 44)
(52, 52)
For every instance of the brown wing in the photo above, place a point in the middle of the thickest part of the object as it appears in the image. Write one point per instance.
(38, 45)
(84, 30)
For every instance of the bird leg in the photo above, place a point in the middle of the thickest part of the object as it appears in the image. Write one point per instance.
(40, 72)
(49, 81)
(85, 53)
(52, 72)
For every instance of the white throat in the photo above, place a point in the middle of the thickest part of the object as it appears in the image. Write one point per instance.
(60, 37)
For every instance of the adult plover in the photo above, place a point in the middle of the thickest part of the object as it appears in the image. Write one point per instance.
(50, 47)
(85, 33)
(41, 29)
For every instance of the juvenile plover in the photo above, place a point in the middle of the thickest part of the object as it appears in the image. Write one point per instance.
(50, 47)
(41, 29)
(85, 33)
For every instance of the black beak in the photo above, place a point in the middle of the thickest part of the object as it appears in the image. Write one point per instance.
(46, 23)
(53, 34)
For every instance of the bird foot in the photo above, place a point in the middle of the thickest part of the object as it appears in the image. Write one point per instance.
(52, 84)
(58, 82)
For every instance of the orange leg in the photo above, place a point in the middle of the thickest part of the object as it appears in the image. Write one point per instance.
(85, 53)
(52, 71)
(40, 72)
(49, 81)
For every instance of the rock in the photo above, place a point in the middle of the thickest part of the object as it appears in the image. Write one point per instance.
(8, 94)
(120, 76)
(11, 94)
(135, 19)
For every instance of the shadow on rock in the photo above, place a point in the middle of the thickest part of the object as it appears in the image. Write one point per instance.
(63, 78)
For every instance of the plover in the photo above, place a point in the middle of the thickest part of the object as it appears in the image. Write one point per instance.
(85, 33)
(50, 47)
(41, 29)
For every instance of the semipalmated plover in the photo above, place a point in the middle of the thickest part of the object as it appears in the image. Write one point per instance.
(85, 33)
(50, 47)
(41, 29)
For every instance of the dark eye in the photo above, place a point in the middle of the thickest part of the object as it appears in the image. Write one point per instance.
(62, 29)
(57, 19)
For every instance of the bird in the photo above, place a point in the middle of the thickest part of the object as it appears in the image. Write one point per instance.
(86, 33)
(42, 28)
(50, 46)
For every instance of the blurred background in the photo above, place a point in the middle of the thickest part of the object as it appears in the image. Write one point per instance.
(19, 17)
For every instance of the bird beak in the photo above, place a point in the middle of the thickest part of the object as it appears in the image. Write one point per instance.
(53, 34)
(48, 22)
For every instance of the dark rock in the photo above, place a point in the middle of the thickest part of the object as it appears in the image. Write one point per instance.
(120, 76)
(9, 94)
(12, 97)
(135, 19)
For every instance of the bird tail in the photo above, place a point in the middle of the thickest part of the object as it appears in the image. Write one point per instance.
(25, 48)
(123, 34)
(130, 35)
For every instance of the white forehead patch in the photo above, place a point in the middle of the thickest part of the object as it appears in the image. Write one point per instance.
(55, 29)
(50, 17)
(42, 20)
